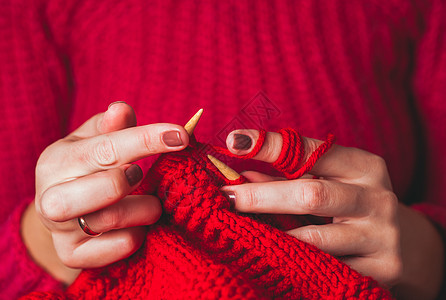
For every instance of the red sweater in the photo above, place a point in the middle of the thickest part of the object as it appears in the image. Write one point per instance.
(372, 73)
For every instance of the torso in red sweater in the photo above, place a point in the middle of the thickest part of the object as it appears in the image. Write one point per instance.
(371, 73)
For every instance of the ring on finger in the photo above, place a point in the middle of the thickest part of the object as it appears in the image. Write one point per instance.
(84, 226)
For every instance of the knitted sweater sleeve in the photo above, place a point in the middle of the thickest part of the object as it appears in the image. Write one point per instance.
(430, 90)
(33, 105)
(19, 274)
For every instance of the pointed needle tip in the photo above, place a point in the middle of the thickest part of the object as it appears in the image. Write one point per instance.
(224, 169)
(190, 126)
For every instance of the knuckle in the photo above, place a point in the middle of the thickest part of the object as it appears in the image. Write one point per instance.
(310, 146)
(313, 195)
(379, 162)
(389, 204)
(110, 217)
(115, 187)
(104, 152)
(42, 163)
(41, 168)
(249, 199)
(47, 162)
(52, 205)
(270, 153)
(149, 142)
(375, 164)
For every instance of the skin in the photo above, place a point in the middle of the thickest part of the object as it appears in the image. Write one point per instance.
(371, 231)
(83, 174)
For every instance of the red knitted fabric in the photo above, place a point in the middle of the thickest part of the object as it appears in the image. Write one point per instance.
(203, 249)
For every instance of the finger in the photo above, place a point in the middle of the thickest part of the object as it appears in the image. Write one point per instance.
(338, 162)
(120, 147)
(119, 115)
(304, 196)
(254, 176)
(242, 141)
(71, 199)
(338, 239)
(386, 269)
(134, 210)
(100, 251)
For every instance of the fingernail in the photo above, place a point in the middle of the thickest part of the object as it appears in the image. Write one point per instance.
(172, 138)
(241, 142)
(230, 195)
(113, 103)
(133, 174)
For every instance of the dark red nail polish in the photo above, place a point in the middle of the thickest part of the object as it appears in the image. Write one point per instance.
(242, 142)
(134, 174)
(172, 138)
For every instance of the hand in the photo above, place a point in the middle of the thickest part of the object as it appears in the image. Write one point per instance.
(89, 173)
(355, 189)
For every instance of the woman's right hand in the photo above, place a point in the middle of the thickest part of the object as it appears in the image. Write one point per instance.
(89, 173)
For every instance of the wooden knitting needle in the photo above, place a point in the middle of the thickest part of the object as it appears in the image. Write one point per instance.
(190, 126)
(224, 169)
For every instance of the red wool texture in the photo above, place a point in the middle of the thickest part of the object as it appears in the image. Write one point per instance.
(202, 248)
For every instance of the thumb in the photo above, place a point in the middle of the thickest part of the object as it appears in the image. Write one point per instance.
(242, 141)
(119, 115)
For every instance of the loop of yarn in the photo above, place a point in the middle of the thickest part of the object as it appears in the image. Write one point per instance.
(292, 152)
(290, 159)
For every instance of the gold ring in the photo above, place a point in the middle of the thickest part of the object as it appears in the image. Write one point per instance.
(84, 226)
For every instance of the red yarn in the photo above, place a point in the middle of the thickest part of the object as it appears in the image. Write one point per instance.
(293, 152)
(291, 155)
(203, 249)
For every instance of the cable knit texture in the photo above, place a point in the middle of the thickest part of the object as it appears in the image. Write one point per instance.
(269, 262)
(371, 72)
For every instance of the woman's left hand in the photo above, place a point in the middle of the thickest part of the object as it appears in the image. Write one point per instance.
(354, 188)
